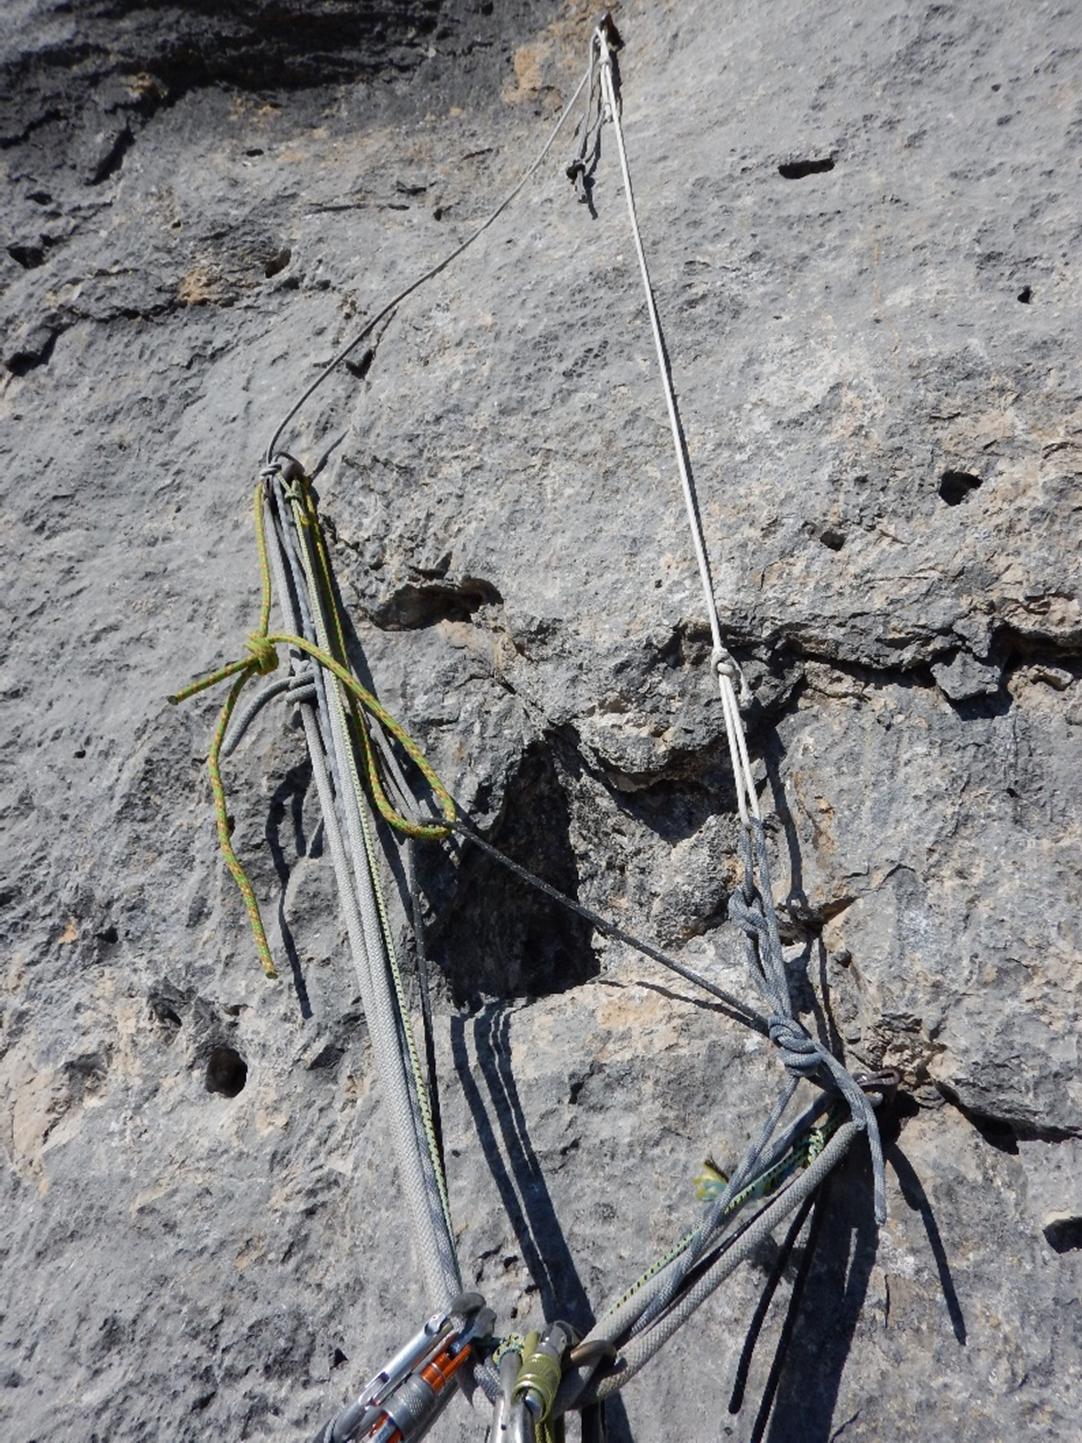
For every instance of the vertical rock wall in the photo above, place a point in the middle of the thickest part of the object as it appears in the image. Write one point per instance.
(864, 232)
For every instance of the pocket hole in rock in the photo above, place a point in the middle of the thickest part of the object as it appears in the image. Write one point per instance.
(1025, 295)
(278, 263)
(1064, 1235)
(168, 1016)
(798, 169)
(955, 486)
(833, 540)
(227, 1072)
(361, 368)
(27, 256)
(328, 1057)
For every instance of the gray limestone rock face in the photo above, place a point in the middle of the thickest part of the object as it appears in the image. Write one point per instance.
(863, 233)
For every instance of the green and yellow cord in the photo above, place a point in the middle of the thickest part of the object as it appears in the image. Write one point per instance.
(262, 658)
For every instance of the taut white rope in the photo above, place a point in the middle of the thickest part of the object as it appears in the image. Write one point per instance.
(726, 667)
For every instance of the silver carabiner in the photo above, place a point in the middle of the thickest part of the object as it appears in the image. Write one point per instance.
(521, 1424)
(357, 1418)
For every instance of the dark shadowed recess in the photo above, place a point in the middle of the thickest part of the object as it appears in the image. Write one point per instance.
(1064, 1234)
(262, 45)
(498, 937)
(227, 1072)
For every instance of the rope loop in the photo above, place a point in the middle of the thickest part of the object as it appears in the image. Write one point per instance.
(261, 659)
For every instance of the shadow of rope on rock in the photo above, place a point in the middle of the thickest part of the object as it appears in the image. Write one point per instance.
(821, 1342)
(509, 1153)
(916, 1198)
(503, 1132)
(290, 794)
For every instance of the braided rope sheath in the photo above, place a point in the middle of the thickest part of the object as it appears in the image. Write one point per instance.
(323, 600)
(803, 1151)
(637, 1353)
(346, 820)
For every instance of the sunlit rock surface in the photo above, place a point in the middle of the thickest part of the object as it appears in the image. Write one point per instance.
(863, 229)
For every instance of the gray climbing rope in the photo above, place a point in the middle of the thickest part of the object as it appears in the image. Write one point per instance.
(299, 686)
(784, 1166)
(341, 807)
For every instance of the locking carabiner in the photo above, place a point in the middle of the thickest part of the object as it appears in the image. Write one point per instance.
(537, 1383)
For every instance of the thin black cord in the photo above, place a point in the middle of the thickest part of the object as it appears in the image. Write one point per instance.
(740, 1383)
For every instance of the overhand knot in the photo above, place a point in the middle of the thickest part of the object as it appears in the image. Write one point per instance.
(262, 652)
(801, 1055)
(725, 664)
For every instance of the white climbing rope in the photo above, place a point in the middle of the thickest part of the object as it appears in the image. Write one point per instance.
(727, 669)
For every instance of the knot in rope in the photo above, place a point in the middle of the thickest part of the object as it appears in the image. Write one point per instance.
(751, 907)
(725, 664)
(747, 916)
(746, 909)
(803, 1056)
(262, 658)
(280, 464)
(261, 649)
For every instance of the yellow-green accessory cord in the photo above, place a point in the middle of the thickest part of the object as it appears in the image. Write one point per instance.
(263, 658)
